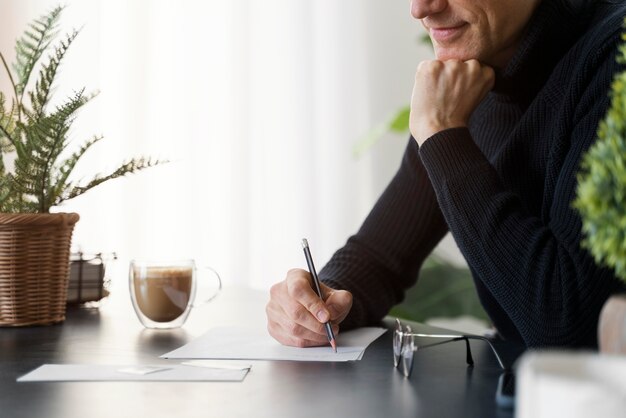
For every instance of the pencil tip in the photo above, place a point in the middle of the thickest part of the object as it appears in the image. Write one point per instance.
(305, 243)
(333, 344)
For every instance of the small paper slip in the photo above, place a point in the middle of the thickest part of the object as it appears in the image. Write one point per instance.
(111, 373)
(218, 364)
(257, 344)
(141, 370)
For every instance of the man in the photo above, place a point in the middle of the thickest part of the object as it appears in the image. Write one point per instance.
(499, 122)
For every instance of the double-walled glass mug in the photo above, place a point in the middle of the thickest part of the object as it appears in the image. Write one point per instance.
(163, 293)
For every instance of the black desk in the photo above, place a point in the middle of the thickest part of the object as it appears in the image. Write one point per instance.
(441, 384)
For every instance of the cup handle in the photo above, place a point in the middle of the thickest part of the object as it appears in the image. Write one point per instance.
(219, 287)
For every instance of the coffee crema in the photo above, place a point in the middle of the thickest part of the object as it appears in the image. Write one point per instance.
(162, 293)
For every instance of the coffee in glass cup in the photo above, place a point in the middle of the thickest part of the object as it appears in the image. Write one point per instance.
(163, 293)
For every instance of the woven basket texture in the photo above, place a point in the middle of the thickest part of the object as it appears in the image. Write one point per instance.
(34, 267)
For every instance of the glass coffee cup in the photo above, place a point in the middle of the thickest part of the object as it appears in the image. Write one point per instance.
(163, 293)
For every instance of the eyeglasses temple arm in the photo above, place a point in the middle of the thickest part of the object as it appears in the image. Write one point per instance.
(493, 349)
(457, 337)
(468, 353)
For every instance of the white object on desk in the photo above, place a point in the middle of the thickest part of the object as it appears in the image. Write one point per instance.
(569, 384)
(254, 344)
(142, 370)
(111, 373)
(218, 364)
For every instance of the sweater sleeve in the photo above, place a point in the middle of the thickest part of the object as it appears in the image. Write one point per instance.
(532, 265)
(383, 258)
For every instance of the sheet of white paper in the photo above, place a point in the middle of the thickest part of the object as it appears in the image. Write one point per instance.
(254, 344)
(110, 373)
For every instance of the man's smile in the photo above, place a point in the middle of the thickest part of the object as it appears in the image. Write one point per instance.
(446, 34)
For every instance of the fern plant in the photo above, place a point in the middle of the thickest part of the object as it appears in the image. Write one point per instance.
(601, 193)
(35, 135)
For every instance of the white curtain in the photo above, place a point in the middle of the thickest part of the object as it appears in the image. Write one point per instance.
(257, 106)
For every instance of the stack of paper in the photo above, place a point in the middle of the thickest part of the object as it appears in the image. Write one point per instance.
(145, 373)
(254, 344)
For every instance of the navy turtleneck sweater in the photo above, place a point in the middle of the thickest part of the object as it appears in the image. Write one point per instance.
(504, 188)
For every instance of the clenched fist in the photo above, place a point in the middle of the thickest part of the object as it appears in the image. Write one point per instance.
(445, 94)
(296, 316)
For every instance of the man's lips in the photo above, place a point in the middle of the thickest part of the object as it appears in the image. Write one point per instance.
(445, 34)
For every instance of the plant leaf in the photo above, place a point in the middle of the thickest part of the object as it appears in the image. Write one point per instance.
(7, 125)
(40, 96)
(46, 138)
(128, 167)
(32, 45)
(60, 184)
(398, 123)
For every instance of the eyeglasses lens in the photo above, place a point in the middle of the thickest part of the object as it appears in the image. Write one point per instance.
(408, 349)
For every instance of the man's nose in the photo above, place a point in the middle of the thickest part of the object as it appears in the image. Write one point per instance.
(423, 8)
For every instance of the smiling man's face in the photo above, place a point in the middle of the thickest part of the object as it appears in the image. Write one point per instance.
(487, 30)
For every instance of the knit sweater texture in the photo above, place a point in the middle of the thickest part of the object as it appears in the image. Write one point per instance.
(503, 187)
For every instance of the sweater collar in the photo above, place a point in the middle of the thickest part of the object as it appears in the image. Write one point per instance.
(551, 31)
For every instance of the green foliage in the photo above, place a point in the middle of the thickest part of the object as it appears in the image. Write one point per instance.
(601, 194)
(400, 121)
(35, 135)
(442, 290)
(397, 123)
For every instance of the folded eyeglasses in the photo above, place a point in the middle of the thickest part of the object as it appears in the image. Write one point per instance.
(404, 346)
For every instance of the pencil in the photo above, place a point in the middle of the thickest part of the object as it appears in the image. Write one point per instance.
(318, 290)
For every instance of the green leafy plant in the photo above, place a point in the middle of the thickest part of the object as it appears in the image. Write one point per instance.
(443, 290)
(601, 193)
(36, 136)
(397, 123)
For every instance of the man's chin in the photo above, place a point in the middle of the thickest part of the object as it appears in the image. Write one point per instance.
(446, 54)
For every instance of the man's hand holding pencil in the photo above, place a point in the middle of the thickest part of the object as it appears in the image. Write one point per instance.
(296, 314)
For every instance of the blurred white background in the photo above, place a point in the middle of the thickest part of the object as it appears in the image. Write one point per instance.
(257, 104)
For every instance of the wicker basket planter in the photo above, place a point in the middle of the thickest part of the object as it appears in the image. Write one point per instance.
(34, 267)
